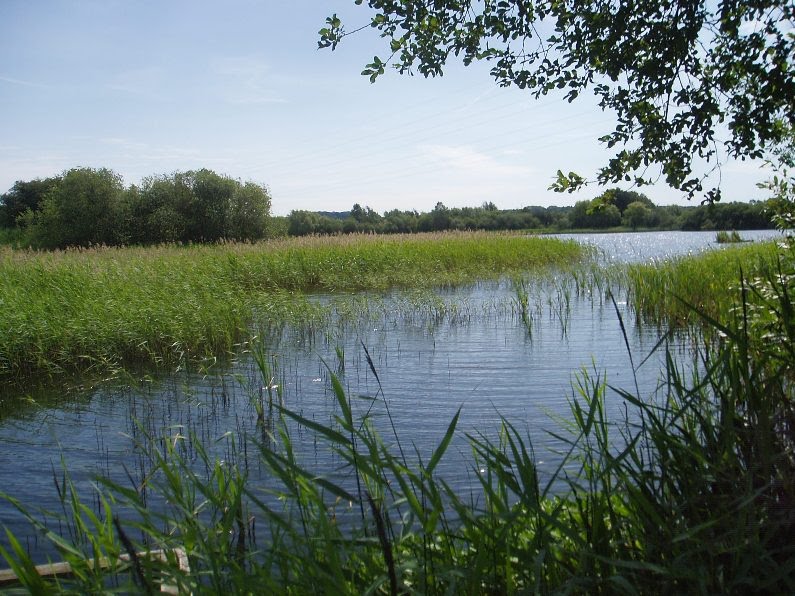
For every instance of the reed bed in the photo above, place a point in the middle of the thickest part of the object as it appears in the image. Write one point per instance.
(675, 291)
(693, 491)
(94, 309)
(726, 237)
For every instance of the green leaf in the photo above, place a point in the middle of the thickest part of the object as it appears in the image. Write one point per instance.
(329, 433)
(448, 436)
(334, 489)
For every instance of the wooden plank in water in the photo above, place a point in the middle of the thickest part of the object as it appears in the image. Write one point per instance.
(7, 576)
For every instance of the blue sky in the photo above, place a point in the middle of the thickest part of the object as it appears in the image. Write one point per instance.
(149, 87)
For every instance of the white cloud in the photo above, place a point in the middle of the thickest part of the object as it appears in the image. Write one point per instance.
(466, 158)
(245, 80)
(17, 163)
(127, 148)
(22, 83)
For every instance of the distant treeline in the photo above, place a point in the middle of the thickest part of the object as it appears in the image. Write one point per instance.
(86, 206)
(613, 209)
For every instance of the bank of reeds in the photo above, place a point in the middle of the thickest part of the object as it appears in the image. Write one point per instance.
(93, 309)
(675, 290)
(693, 491)
(726, 237)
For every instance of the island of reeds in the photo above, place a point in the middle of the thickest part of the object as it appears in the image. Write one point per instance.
(80, 310)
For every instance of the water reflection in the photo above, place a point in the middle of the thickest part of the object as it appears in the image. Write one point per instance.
(633, 247)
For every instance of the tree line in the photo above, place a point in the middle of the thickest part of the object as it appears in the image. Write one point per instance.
(87, 206)
(614, 209)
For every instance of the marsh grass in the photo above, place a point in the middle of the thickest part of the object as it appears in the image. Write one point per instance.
(95, 309)
(677, 291)
(726, 237)
(691, 491)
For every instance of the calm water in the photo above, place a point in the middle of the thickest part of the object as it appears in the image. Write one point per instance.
(653, 246)
(466, 348)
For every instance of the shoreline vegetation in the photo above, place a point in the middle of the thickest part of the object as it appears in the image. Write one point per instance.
(95, 309)
(683, 290)
(88, 207)
(724, 237)
(693, 491)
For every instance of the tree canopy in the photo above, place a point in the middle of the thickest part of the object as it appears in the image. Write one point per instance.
(86, 206)
(612, 209)
(23, 196)
(690, 82)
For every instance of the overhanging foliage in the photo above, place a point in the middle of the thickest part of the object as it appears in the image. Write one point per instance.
(689, 82)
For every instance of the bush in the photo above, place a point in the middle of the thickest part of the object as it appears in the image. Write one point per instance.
(81, 209)
(23, 196)
(87, 207)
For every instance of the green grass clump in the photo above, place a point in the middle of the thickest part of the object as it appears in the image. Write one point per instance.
(725, 237)
(96, 308)
(674, 290)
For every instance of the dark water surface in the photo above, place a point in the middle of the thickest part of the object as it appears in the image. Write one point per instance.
(466, 348)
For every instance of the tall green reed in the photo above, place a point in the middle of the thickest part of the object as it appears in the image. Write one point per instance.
(666, 292)
(690, 491)
(95, 309)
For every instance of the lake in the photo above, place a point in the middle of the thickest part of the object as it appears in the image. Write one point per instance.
(466, 348)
